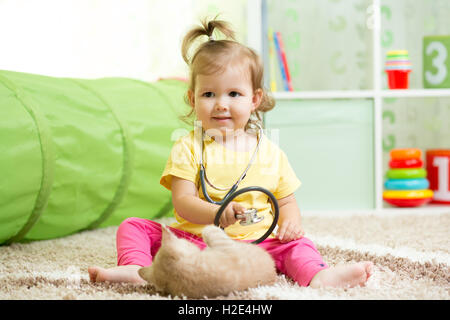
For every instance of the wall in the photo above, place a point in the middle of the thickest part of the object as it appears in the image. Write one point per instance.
(329, 47)
(99, 38)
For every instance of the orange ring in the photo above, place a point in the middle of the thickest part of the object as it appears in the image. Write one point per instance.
(410, 153)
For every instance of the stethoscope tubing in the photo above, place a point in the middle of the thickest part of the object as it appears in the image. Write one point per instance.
(204, 178)
(205, 192)
(273, 200)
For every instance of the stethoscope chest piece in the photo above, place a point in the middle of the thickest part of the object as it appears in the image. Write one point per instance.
(249, 217)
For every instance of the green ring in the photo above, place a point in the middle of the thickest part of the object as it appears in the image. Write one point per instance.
(406, 173)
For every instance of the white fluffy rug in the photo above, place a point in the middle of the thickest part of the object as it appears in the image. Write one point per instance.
(410, 253)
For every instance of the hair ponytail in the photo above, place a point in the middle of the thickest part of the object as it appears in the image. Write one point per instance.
(205, 29)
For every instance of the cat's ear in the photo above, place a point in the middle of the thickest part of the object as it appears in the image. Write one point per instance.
(146, 273)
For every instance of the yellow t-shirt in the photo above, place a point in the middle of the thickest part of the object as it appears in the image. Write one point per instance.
(270, 170)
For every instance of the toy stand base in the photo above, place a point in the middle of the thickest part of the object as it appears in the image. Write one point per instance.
(407, 202)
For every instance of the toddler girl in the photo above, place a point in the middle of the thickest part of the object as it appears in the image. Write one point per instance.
(227, 98)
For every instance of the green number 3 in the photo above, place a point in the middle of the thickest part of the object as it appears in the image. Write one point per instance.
(438, 63)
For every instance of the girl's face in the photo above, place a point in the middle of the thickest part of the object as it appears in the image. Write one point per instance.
(224, 101)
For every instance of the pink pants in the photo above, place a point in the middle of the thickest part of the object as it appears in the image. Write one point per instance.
(138, 240)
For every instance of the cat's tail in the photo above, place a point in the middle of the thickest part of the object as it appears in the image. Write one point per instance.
(215, 237)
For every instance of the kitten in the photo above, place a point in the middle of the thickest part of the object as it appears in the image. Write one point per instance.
(225, 265)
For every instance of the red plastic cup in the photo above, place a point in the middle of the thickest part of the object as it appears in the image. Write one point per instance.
(398, 79)
(438, 170)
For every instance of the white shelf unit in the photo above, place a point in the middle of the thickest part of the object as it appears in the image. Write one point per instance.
(361, 94)
(377, 94)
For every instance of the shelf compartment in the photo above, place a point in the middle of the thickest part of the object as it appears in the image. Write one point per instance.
(330, 146)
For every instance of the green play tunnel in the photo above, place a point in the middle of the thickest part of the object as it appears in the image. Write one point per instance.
(77, 154)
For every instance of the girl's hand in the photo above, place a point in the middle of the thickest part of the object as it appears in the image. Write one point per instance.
(290, 229)
(228, 216)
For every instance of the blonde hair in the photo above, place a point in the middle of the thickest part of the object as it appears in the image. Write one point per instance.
(214, 56)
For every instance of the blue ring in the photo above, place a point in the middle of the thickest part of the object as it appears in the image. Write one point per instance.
(406, 184)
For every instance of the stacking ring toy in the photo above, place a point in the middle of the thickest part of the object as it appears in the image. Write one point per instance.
(408, 202)
(406, 173)
(392, 53)
(407, 194)
(406, 184)
(400, 154)
(405, 163)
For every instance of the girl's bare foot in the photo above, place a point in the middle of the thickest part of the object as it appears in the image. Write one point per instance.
(128, 273)
(350, 275)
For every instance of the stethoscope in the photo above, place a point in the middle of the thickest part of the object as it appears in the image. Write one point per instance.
(250, 216)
